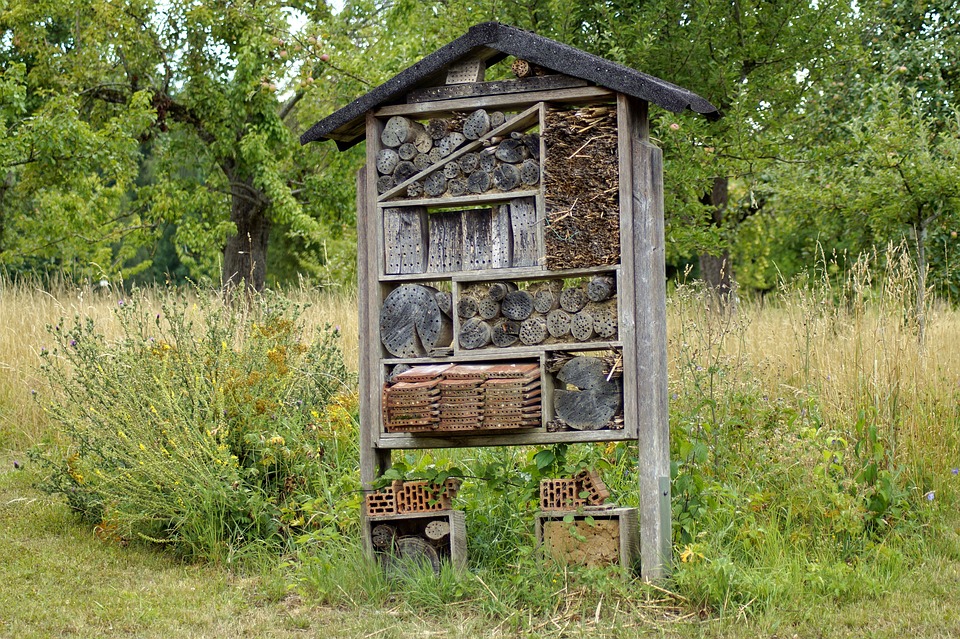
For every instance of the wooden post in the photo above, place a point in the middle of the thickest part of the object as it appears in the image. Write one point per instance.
(644, 286)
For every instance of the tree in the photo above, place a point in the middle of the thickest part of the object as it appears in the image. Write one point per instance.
(213, 87)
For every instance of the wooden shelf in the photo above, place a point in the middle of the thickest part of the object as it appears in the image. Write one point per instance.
(533, 351)
(461, 201)
(395, 441)
(499, 274)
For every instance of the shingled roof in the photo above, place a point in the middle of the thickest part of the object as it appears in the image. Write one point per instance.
(493, 41)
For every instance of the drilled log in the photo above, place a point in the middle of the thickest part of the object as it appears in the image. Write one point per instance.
(415, 189)
(438, 128)
(497, 118)
(422, 161)
(583, 372)
(601, 287)
(498, 290)
(505, 332)
(469, 162)
(467, 307)
(545, 300)
(385, 183)
(530, 172)
(517, 305)
(398, 130)
(407, 151)
(435, 155)
(450, 143)
(558, 323)
(531, 141)
(383, 535)
(437, 529)
(488, 160)
(488, 308)
(451, 170)
(595, 402)
(506, 177)
(573, 299)
(404, 171)
(457, 187)
(533, 330)
(411, 324)
(581, 326)
(478, 182)
(445, 302)
(510, 151)
(422, 141)
(387, 160)
(476, 125)
(605, 319)
(474, 333)
(435, 184)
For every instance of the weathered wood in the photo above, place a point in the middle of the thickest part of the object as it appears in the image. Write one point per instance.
(398, 130)
(581, 326)
(545, 299)
(457, 187)
(478, 182)
(540, 437)
(506, 177)
(405, 237)
(446, 242)
(422, 141)
(532, 143)
(467, 307)
(385, 183)
(604, 319)
(466, 71)
(437, 530)
(498, 290)
(488, 160)
(517, 305)
(435, 184)
(498, 87)
(488, 308)
(411, 324)
(474, 333)
(435, 155)
(573, 299)
(445, 302)
(558, 323)
(523, 219)
(497, 118)
(476, 125)
(501, 238)
(470, 199)
(586, 409)
(438, 128)
(505, 332)
(601, 287)
(510, 151)
(404, 171)
(422, 161)
(533, 330)
(583, 372)
(476, 239)
(469, 162)
(450, 143)
(415, 189)
(407, 151)
(582, 95)
(387, 160)
(451, 170)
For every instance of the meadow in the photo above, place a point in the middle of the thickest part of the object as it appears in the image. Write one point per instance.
(815, 441)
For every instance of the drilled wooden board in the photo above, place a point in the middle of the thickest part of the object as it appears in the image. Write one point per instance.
(405, 239)
(523, 221)
(445, 252)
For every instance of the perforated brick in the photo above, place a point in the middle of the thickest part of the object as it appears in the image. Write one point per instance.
(560, 494)
(382, 502)
(590, 481)
(423, 497)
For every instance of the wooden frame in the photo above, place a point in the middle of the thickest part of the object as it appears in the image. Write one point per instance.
(640, 305)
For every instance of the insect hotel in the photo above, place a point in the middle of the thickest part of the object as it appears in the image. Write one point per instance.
(511, 274)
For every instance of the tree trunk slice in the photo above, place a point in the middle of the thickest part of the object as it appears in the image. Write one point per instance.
(517, 305)
(387, 160)
(451, 170)
(497, 119)
(385, 183)
(531, 142)
(581, 326)
(415, 189)
(445, 302)
(533, 330)
(467, 307)
(411, 324)
(383, 535)
(588, 409)
(505, 332)
(469, 162)
(437, 529)
(488, 308)
(530, 172)
(435, 184)
(488, 160)
(435, 155)
(506, 177)
(423, 141)
(474, 333)
(558, 323)
(438, 128)
(478, 182)
(422, 161)
(605, 319)
(573, 299)
(404, 171)
(457, 187)
(476, 125)
(583, 372)
(407, 151)
(601, 287)
(545, 300)
(498, 290)
(398, 130)
(450, 143)
(510, 151)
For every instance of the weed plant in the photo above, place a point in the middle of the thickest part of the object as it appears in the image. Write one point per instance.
(212, 430)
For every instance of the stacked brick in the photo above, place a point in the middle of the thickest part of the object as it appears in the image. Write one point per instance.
(463, 397)
(584, 489)
(404, 497)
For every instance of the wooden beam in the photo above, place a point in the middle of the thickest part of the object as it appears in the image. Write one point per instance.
(584, 95)
(498, 438)
(498, 87)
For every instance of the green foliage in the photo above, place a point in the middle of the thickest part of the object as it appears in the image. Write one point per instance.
(207, 429)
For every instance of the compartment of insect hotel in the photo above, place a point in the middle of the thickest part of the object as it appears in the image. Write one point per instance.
(508, 314)
(587, 390)
(400, 541)
(463, 398)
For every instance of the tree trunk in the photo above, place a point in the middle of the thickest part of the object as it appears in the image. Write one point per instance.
(245, 254)
(715, 269)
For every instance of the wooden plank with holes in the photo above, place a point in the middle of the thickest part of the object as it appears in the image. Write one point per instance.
(445, 253)
(496, 87)
(501, 238)
(523, 221)
(405, 240)
(477, 251)
(584, 95)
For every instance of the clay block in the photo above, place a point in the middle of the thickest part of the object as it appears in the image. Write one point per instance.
(382, 502)
(560, 494)
(421, 496)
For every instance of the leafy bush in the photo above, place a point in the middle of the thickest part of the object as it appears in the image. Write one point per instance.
(203, 427)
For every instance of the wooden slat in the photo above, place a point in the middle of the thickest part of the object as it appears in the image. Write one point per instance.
(522, 122)
(538, 436)
(498, 87)
(464, 200)
(523, 218)
(440, 108)
(476, 240)
(405, 240)
(501, 238)
(446, 242)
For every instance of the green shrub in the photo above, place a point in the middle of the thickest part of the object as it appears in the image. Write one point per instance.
(203, 427)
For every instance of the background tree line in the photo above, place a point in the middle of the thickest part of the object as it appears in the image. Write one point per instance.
(154, 140)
